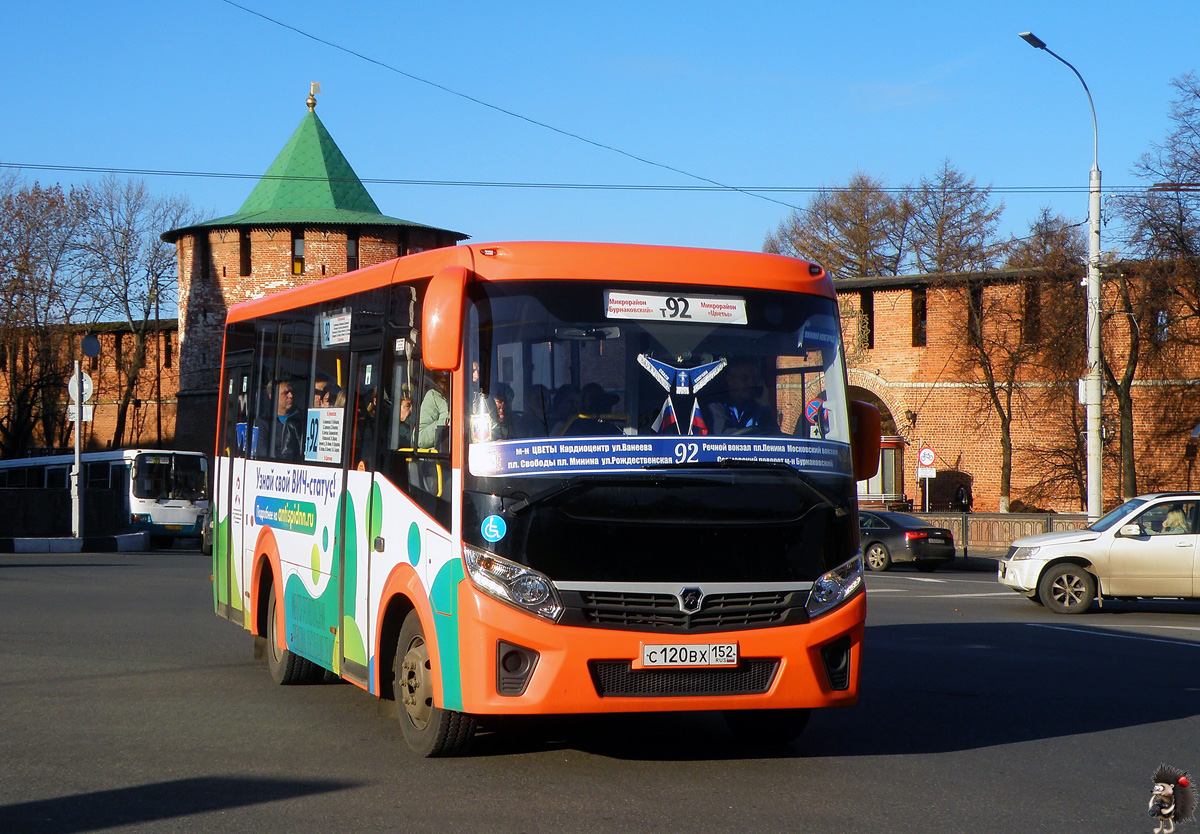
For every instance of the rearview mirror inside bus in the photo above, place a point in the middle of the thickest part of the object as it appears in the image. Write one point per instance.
(441, 336)
(587, 334)
(865, 429)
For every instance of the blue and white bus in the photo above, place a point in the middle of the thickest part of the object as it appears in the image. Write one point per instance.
(164, 493)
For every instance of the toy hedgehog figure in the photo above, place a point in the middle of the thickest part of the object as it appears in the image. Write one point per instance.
(1173, 799)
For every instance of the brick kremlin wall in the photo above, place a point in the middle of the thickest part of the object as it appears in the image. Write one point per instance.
(933, 397)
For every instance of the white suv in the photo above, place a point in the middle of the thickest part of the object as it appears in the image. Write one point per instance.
(1147, 547)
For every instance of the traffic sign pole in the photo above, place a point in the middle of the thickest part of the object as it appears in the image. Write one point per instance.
(80, 390)
(76, 506)
(925, 470)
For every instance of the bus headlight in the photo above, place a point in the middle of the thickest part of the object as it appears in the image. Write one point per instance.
(512, 583)
(835, 587)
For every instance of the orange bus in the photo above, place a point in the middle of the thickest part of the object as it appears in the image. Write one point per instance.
(535, 478)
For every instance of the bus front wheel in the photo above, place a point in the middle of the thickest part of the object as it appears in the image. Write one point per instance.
(429, 730)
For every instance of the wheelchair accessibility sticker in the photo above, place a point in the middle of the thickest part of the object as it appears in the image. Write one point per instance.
(493, 528)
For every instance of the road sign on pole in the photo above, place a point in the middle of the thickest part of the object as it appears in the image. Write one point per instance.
(78, 380)
(926, 469)
(926, 457)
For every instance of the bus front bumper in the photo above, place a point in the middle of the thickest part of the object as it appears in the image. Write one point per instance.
(592, 670)
(179, 530)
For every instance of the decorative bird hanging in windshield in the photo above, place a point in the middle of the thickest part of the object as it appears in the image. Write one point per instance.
(680, 382)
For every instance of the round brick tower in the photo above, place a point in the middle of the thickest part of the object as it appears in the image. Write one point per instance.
(308, 217)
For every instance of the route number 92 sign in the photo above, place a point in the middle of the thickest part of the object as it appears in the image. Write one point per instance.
(651, 306)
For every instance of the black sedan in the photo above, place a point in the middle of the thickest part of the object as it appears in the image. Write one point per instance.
(887, 538)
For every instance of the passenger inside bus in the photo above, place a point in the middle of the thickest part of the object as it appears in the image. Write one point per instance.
(568, 399)
(321, 394)
(595, 415)
(434, 419)
(502, 415)
(281, 438)
(742, 407)
(534, 420)
(406, 418)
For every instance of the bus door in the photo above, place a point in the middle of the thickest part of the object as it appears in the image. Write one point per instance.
(357, 535)
(230, 579)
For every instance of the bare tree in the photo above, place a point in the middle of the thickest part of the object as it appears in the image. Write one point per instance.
(1020, 327)
(41, 292)
(855, 231)
(996, 357)
(131, 270)
(1053, 255)
(1144, 327)
(953, 223)
(1157, 299)
(1164, 221)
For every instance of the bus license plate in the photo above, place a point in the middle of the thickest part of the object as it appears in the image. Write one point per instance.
(688, 654)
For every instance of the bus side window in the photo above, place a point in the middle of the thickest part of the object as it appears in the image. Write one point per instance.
(56, 477)
(418, 461)
(97, 475)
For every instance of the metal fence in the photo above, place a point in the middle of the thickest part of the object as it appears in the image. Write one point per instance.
(989, 534)
(39, 513)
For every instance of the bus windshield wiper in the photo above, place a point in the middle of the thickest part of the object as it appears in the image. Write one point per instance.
(579, 482)
(816, 489)
(548, 493)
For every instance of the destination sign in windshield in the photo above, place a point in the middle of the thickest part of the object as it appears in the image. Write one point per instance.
(621, 454)
(653, 306)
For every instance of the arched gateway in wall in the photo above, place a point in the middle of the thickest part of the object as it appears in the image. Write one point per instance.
(886, 488)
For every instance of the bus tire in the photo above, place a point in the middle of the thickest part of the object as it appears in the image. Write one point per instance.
(429, 730)
(287, 668)
(767, 726)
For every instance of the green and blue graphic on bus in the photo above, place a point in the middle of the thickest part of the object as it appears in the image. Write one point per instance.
(285, 514)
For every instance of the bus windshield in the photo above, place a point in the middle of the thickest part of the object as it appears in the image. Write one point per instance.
(159, 476)
(585, 378)
(595, 411)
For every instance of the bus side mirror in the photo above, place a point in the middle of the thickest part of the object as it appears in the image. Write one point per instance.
(442, 319)
(865, 433)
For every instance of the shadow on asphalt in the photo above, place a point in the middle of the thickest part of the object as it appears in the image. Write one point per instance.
(961, 564)
(150, 803)
(5, 564)
(928, 688)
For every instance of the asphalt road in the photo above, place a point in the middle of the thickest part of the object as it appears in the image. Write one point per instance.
(127, 705)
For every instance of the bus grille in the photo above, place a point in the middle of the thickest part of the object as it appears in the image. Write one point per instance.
(661, 611)
(617, 678)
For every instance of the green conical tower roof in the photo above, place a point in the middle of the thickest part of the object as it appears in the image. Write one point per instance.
(310, 175)
(310, 183)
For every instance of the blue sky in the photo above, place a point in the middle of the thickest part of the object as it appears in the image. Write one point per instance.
(798, 94)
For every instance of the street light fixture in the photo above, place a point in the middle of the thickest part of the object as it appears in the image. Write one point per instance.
(1091, 388)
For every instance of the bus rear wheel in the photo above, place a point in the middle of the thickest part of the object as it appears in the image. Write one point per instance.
(429, 730)
(287, 667)
(767, 726)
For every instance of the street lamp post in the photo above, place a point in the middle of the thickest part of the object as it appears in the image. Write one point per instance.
(1091, 389)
